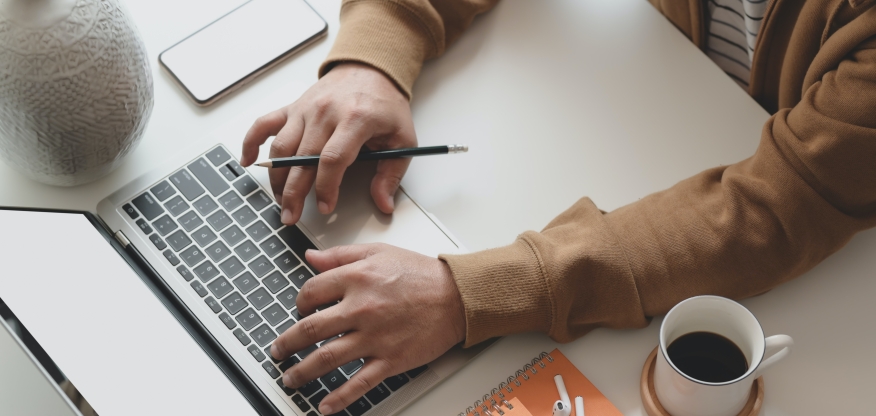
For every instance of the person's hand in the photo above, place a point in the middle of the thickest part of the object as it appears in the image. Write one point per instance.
(351, 106)
(398, 310)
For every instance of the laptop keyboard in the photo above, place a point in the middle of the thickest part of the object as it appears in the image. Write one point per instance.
(218, 228)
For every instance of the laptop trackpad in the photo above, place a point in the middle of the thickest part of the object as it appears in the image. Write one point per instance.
(101, 325)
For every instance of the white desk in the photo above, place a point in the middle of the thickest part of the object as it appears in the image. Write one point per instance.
(558, 99)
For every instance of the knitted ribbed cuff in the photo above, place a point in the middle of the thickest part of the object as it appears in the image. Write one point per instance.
(385, 35)
(503, 291)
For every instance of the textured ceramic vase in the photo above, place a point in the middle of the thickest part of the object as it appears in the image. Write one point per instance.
(75, 88)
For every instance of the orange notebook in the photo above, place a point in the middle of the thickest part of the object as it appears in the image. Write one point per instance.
(532, 391)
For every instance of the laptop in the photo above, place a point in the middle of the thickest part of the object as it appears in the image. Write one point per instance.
(166, 300)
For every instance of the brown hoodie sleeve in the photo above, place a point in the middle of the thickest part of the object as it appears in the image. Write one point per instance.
(397, 36)
(733, 231)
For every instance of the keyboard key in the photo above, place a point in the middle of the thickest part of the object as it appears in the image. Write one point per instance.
(164, 225)
(206, 205)
(272, 217)
(258, 231)
(230, 201)
(378, 394)
(286, 262)
(351, 367)
(178, 240)
(249, 319)
(272, 246)
(359, 407)
(236, 168)
(242, 337)
(190, 221)
(311, 387)
(300, 276)
(144, 226)
(296, 240)
(295, 315)
(261, 266)
(263, 335)
(231, 267)
(313, 413)
(417, 371)
(234, 303)
(157, 241)
(316, 399)
(275, 282)
(213, 304)
(396, 382)
(185, 273)
(219, 221)
(275, 314)
(333, 380)
(176, 205)
(285, 389)
(260, 298)
(288, 297)
(246, 283)
(227, 320)
(307, 351)
(187, 185)
(245, 185)
(192, 256)
(256, 353)
(218, 251)
(163, 191)
(259, 200)
(301, 402)
(220, 287)
(203, 236)
(272, 371)
(199, 288)
(148, 206)
(232, 235)
(172, 258)
(247, 251)
(218, 156)
(226, 172)
(206, 271)
(208, 177)
(244, 216)
(285, 325)
(130, 211)
(285, 365)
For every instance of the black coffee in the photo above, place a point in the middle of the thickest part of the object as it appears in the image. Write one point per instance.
(707, 357)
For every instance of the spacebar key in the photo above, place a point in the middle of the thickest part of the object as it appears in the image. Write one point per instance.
(208, 176)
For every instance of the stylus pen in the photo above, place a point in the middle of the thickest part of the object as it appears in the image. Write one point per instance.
(368, 155)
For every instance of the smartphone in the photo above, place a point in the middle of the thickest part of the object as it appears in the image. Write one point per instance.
(230, 52)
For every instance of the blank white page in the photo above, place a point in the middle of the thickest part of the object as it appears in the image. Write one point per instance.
(99, 322)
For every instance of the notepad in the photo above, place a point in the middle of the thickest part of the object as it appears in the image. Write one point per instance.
(531, 391)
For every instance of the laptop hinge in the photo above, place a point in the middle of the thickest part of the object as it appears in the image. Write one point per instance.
(122, 239)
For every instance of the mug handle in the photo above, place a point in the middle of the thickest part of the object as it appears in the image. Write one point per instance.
(777, 347)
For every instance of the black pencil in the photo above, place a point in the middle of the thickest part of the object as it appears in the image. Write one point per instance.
(368, 155)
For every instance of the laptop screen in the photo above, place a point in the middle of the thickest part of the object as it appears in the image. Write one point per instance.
(100, 326)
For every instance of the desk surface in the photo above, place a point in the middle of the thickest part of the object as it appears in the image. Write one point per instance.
(557, 100)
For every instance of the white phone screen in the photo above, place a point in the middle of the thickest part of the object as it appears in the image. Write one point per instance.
(246, 40)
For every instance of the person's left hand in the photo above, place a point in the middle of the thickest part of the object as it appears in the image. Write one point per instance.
(398, 310)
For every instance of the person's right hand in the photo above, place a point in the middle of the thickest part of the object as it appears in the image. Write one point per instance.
(352, 106)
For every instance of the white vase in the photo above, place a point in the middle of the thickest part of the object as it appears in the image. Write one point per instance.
(75, 88)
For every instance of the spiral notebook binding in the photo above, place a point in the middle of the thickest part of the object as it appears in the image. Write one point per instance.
(492, 404)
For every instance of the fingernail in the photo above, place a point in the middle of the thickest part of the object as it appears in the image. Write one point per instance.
(278, 197)
(323, 207)
(325, 409)
(274, 352)
(287, 381)
(287, 217)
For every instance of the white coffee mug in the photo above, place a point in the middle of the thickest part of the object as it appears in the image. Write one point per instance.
(682, 395)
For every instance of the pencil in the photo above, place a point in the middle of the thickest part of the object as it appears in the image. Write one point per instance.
(368, 155)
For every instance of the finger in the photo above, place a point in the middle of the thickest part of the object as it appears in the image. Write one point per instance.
(325, 260)
(310, 330)
(265, 126)
(369, 376)
(338, 154)
(300, 178)
(321, 290)
(386, 182)
(326, 358)
(285, 144)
